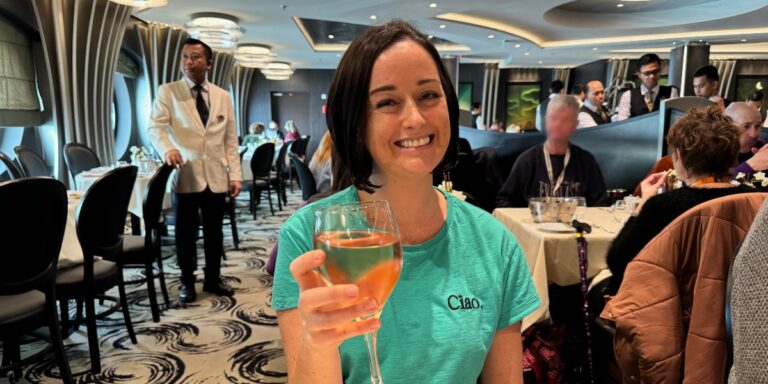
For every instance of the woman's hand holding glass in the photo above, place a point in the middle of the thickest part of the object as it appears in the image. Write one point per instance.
(650, 188)
(327, 313)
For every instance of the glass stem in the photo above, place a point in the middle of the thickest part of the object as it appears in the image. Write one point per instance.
(373, 358)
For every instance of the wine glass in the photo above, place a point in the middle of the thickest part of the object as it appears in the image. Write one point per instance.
(621, 211)
(362, 247)
(581, 207)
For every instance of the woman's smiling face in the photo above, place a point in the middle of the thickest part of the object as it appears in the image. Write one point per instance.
(408, 121)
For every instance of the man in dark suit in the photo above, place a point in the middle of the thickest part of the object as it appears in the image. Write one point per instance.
(647, 98)
(593, 113)
(193, 128)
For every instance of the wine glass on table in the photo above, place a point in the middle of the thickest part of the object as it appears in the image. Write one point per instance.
(362, 247)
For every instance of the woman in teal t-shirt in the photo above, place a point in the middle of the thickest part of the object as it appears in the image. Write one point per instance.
(455, 312)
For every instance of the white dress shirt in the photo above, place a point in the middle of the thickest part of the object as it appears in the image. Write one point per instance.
(625, 102)
(194, 92)
(539, 123)
(585, 119)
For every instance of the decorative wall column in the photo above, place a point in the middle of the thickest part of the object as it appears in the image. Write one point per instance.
(161, 47)
(221, 71)
(242, 77)
(683, 62)
(81, 40)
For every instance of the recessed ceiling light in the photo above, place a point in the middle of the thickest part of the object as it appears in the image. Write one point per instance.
(442, 26)
(527, 53)
(594, 49)
(433, 5)
(430, 37)
(674, 43)
(491, 36)
(620, 5)
(743, 40)
(338, 55)
(518, 45)
(541, 62)
(373, 17)
(331, 36)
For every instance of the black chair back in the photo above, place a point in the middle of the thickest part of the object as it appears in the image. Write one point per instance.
(101, 216)
(261, 162)
(306, 179)
(79, 158)
(32, 164)
(153, 199)
(36, 213)
(299, 147)
(13, 171)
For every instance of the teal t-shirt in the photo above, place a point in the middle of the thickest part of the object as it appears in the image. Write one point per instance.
(455, 291)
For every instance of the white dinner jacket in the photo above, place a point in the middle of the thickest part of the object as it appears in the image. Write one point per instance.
(207, 150)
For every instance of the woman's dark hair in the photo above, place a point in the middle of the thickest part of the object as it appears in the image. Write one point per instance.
(708, 141)
(347, 112)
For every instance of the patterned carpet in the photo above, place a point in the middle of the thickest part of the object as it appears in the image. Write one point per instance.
(213, 340)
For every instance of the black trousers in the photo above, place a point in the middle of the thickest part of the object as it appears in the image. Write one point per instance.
(211, 206)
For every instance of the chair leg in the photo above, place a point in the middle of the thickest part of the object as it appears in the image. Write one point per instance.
(279, 201)
(253, 204)
(78, 314)
(11, 355)
(149, 271)
(64, 309)
(161, 277)
(124, 307)
(269, 197)
(56, 341)
(233, 225)
(93, 338)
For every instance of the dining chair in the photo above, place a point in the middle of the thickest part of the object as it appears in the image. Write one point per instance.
(100, 222)
(80, 158)
(13, 171)
(32, 164)
(282, 173)
(144, 251)
(31, 245)
(263, 180)
(299, 148)
(307, 181)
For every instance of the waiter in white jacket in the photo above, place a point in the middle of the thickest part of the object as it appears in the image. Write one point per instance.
(193, 127)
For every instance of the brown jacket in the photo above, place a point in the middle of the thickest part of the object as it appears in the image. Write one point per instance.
(669, 311)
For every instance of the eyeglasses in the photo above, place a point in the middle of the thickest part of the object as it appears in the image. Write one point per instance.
(655, 72)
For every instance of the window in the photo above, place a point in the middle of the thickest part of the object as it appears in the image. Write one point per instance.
(18, 87)
(746, 84)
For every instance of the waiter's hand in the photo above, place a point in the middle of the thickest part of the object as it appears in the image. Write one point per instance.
(173, 158)
(234, 188)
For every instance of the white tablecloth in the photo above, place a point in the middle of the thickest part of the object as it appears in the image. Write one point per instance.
(85, 179)
(245, 167)
(71, 254)
(552, 257)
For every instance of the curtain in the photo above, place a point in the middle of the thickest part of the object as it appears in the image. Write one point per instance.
(18, 88)
(490, 94)
(726, 70)
(562, 74)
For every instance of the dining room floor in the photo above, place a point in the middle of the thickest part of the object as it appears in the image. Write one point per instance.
(213, 340)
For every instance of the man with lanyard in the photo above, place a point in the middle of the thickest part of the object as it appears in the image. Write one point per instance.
(648, 97)
(557, 167)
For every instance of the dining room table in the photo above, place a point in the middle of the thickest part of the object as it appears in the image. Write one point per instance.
(84, 180)
(551, 252)
(71, 254)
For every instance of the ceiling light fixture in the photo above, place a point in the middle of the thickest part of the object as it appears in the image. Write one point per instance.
(491, 36)
(527, 53)
(744, 40)
(277, 69)
(594, 49)
(373, 17)
(541, 62)
(620, 5)
(433, 5)
(253, 55)
(218, 30)
(431, 37)
(442, 26)
(141, 5)
(331, 36)
(518, 45)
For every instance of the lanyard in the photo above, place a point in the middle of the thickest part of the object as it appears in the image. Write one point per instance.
(550, 174)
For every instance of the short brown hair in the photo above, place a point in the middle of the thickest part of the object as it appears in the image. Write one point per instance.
(347, 112)
(708, 141)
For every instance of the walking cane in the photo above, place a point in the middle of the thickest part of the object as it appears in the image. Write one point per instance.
(581, 245)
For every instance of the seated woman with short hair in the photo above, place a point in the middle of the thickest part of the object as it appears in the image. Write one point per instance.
(255, 134)
(704, 145)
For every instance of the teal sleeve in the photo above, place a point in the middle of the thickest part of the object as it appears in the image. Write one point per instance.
(519, 298)
(295, 240)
